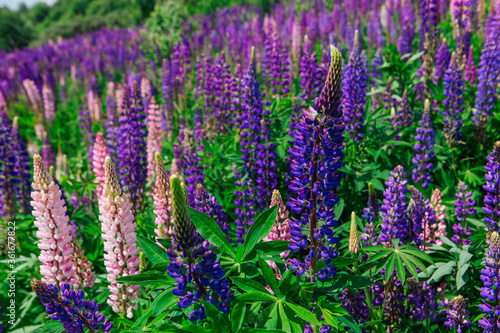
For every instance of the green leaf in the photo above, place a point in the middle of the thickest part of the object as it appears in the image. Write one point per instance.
(464, 258)
(216, 318)
(248, 285)
(257, 296)
(448, 241)
(409, 265)
(260, 228)
(303, 313)
(462, 276)
(416, 253)
(389, 268)
(285, 323)
(400, 270)
(273, 247)
(272, 321)
(160, 304)
(238, 315)
(210, 230)
(269, 276)
(146, 279)
(153, 251)
(349, 322)
(418, 263)
(445, 269)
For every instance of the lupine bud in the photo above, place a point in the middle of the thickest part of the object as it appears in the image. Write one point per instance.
(353, 236)
(185, 236)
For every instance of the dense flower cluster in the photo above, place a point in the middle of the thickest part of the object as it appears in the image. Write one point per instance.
(464, 206)
(492, 187)
(424, 149)
(453, 102)
(490, 289)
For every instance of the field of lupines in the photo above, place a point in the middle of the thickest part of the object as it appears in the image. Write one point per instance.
(322, 167)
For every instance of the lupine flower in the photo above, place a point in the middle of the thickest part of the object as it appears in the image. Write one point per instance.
(428, 32)
(490, 290)
(317, 156)
(281, 228)
(464, 206)
(194, 266)
(84, 277)
(371, 213)
(453, 102)
(100, 153)
(49, 105)
(354, 92)
(33, 94)
(111, 124)
(308, 71)
(207, 203)
(408, 19)
(118, 232)
(354, 303)
(443, 57)
(244, 201)
(461, 13)
(376, 73)
(423, 148)
(162, 201)
(439, 211)
(492, 187)
(394, 222)
(471, 72)
(457, 314)
(132, 149)
(54, 231)
(423, 299)
(21, 166)
(70, 308)
(47, 151)
(275, 65)
(403, 116)
(489, 69)
(353, 235)
(154, 141)
(9, 175)
(168, 98)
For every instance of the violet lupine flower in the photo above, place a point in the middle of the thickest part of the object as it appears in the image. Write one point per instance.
(8, 173)
(464, 206)
(489, 69)
(111, 124)
(443, 57)
(181, 64)
(167, 98)
(21, 167)
(54, 231)
(394, 221)
(275, 65)
(371, 214)
(416, 216)
(461, 12)
(70, 308)
(308, 71)
(194, 266)
(47, 151)
(155, 136)
(100, 153)
(354, 92)
(492, 187)
(49, 104)
(423, 148)
(354, 303)
(132, 149)
(207, 203)
(490, 290)
(471, 72)
(265, 166)
(162, 201)
(439, 211)
(457, 314)
(408, 19)
(453, 102)
(317, 156)
(244, 202)
(118, 232)
(428, 30)
(376, 73)
(423, 299)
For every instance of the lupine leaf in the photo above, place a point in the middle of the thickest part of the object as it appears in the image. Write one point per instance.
(248, 284)
(303, 313)
(238, 316)
(257, 296)
(153, 251)
(442, 270)
(269, 276)
(260, 228)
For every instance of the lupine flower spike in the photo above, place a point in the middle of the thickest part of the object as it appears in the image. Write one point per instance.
(492, 187)
(281, 229)
(490, 290)
(353, 236)
(457, 314)
(423, 148)
(118, 232)
(100, 153)
(162, 201)
(464, 206)
(371, 214)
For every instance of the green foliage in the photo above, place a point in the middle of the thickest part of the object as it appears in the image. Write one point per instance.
(14, 31)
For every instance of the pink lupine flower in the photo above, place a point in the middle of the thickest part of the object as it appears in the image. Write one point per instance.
(438, 228)
(33, 94)
(119, 99)
(118, 231)
(54, 230)
(84, 277)
(154, 135)
(94, 105)
(164, 219)
(49, 105)
(100, 152)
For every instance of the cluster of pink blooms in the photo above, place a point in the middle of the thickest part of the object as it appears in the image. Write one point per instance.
(434, 231)
(120, 241)
(49, 105)
(154, 141)
(33, 93)
(99, 155)
(164, 218)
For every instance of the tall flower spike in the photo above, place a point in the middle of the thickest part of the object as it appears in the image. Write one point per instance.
(154, 141)
(316, 157)
(281, 228)
(423, 148)
(490, 290)
(354, 92)
(394, 221)
(207, 203)
(443, 57)
(464, 206)
(49, 104)
(457, 314)
(439, 211)
(453, 102)
(492, 187)
(100, 153)
(471, 72)
(371, 213)
(353, 235)
(162, 201)
(118, 232)
(54, 231)
(244, 201)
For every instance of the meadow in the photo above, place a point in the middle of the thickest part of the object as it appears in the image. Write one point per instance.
(312, 167)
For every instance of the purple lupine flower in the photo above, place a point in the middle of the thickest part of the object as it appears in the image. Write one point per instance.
(354, 92)
(70, 308)
(428, 33)
(423, 299)
(132, 150)
(408, 19)
(492, 187)
(374, 30)
(457, 314)
(471, 72)
(489, 69)
(222, 82)
(207, 203)
(275, 65)
(8, 173)
(423, 148)
(308, 72)
(317, 156)
(443, 57)
(376, 73)
(371, 214)
(490, 290)
(453, 102)
(86, 129)
(394, 221)
(354, 303)
(47, 151)
(244, 202)
(265, 166)
(167, 98)
(111, 124)
(21, 167)
(194, 266)
(422, 218)
(461, 12)
(464, 206)
(181, 64)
